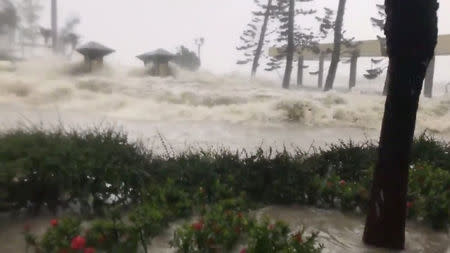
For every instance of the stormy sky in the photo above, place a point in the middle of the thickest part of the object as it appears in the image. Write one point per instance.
(136, 26)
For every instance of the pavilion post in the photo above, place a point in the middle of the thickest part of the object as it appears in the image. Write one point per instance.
(429, 79)
(300, 70)
(321, 62)
(353, 70)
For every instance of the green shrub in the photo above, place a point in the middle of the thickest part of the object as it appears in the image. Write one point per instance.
(57, 238)
(276, 237)
(222, 226)
(100, 170)
(432, 151)
(429, 195)
(169, 197)
(60, 167)
(219, 227)
(267, 237)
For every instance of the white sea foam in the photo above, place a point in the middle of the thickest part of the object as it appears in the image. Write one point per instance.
(129, 94)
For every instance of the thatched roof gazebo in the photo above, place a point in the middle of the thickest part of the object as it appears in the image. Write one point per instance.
(160, 59)
(94, 52)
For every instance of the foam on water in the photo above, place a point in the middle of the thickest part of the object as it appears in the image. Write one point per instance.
(127, 93)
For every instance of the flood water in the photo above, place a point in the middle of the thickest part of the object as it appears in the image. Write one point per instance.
(203, 110)
(338, 232)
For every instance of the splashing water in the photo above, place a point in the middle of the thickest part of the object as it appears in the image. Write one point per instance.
(126, 93)
(204, 109)
(198, 107)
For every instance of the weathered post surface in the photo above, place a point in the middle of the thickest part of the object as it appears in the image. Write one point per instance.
(353, 70)
(411, 32)
(300, 71)
(429, 79)
(321, 62)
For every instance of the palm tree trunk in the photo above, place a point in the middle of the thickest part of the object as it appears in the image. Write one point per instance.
(262, 37)
(336, 55)
(411, 32)
(290, 46)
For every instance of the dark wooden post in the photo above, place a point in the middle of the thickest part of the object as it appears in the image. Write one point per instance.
(429, 79)
(353, 70)
(411, 32)
(321, 61)
(300, 71)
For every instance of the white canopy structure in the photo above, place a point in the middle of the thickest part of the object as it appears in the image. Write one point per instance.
(364, 48)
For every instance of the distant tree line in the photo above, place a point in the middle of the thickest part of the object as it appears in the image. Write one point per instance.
(24, 17)
(276, 23)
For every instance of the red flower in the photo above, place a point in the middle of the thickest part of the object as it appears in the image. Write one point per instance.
(89, 250)
(329, 184)
(54, 222)
(271, 227)
(243, 250)
(409, 204)
(26, 228)
(342, 182)
(240, 215)
(198, 226)
(78, 243)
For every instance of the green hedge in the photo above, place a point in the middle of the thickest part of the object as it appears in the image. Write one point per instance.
(100, 169)
(56, 168)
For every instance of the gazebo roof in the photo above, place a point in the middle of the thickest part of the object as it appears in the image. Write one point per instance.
(159, 53)
(94, 49)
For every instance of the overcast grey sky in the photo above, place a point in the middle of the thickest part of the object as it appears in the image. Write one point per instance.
(135, 26)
